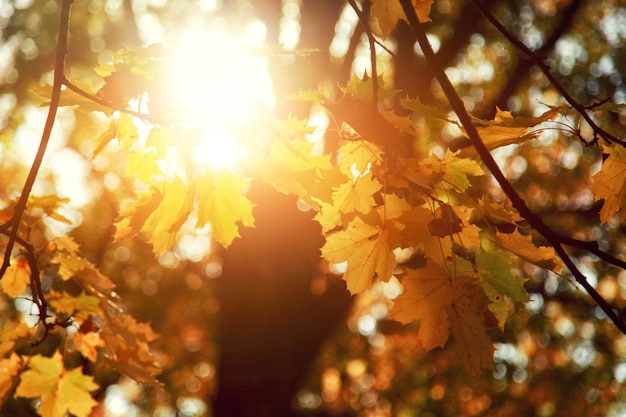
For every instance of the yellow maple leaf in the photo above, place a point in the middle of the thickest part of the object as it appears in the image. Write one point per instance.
(357, 195)
(366, 249)
(134, 216)
(60, 391)
(9, 368)
(172, 211)
(469, 319)
(359, 154)
(505, 129)
(610, 184)
(80, 307)
(427, 292)
(143, 165)
(293, 168)
(223, 205)
(16, 279)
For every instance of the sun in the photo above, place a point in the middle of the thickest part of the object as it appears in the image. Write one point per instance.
(216, 82)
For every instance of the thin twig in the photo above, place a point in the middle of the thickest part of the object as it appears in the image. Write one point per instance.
(104, 103)
(535, 221)
(364, 20)
(59, 67)
(547, 71)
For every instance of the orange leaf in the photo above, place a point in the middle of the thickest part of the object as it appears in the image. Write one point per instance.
(469, 319)
(87, 344)
(426, 294)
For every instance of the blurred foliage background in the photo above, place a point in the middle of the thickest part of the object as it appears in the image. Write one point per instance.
(332, 355)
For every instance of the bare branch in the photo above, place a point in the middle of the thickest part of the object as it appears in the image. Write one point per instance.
(535, 221)
(547, 71)
(363, 19)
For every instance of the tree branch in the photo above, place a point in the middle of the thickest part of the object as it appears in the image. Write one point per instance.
(12, 226)
(535, 221)
(363, 19)
(523, 66)
(547, 71)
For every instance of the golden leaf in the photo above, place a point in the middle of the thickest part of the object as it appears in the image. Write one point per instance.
(427, 292)
(16, 279)
(223, 205)
(610, 184)
(470, 319)
(366, 249)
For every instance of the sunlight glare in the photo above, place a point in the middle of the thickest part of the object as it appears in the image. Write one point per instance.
(217, 83)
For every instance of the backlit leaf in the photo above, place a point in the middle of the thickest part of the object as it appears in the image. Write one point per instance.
(357, 195)
(366, 249)
(523, 246)
(9, 368)
(87, 344)
(16, 278)
(469, 320)
(610, 184)
(14, 336)
(59, 391)
(359, 154)
(127, 348)
(427, 292)
(497, 276)
(80, 307)
(223, 204)
(388, 12)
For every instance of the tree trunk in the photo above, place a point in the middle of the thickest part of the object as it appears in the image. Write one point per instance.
(271, 324)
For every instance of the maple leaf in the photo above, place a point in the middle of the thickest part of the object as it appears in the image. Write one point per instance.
(427, 292)
(83, 272)
(172, 211)
(387, 13)
(60, 391)
(126, 346)
(80, 307)
(359, 154)
(49, 205)
(223, 205)
(505, 129)
(87, 344)
(293, 168)
(11, 338)
(16, 278)
(65, 244)
(144, 165)
(132, 219)
(523, 246)
(366, 249)
(357, 195)
(9, 368)
(497, 277)
(610, 184)
(469, 320)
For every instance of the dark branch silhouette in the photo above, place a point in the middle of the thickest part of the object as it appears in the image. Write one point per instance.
(535, 221)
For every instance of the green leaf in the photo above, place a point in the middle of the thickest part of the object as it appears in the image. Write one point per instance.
(497, 277)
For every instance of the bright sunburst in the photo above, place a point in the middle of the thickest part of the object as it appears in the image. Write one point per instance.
(216, 82)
